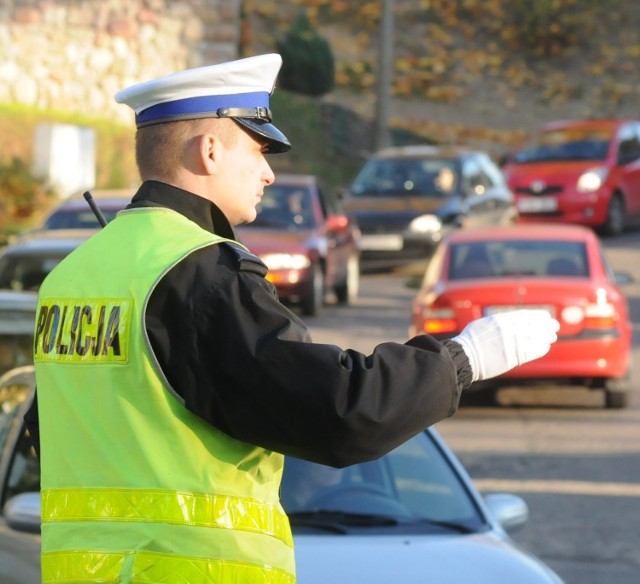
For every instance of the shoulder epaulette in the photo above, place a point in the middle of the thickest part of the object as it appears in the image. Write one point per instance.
(247, 262)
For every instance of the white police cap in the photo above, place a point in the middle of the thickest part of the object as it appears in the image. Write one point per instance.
(237, 89)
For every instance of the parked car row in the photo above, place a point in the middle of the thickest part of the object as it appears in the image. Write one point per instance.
(308, 242)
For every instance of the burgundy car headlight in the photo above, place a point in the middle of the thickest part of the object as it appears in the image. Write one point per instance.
(286, 261)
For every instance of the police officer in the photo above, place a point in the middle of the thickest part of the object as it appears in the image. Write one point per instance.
(171, 381)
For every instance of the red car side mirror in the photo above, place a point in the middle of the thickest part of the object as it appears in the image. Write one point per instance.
(337, 222)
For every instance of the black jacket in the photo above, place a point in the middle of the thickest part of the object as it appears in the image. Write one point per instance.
(246, 364)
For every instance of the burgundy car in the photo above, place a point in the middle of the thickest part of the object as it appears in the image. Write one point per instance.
(309, 245)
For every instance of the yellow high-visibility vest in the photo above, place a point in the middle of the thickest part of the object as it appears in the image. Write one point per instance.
(135, 488)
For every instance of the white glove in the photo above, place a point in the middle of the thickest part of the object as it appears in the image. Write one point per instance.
(495, 344)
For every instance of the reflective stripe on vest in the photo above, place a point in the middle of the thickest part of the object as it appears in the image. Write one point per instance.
(157, 506)
(153, 568)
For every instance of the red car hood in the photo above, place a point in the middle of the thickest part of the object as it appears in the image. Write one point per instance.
(550, 172)
(261, 241)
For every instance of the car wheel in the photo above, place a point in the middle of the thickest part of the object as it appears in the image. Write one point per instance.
(614, 224)
(312, 303)
(616, 392)
(347, 291)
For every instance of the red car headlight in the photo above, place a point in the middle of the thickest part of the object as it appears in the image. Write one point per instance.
(591, 180)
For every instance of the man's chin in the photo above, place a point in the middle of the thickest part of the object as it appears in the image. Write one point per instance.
(248, 218)
(247, 221)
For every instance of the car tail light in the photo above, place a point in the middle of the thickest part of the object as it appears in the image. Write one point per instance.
(439, 320)
(600, 316)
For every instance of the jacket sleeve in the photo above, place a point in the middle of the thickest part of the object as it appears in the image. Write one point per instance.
(246, 364)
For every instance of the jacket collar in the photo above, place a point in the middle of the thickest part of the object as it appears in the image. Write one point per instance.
(198, 209)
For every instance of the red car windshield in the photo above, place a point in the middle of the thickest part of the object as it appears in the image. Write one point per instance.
(568, 144)
(497, 259)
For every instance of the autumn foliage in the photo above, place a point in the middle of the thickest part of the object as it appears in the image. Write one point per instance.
(443, 48)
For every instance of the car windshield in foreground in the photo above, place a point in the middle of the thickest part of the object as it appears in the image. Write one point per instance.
(413, 489)
(426, 177)
(568, 144)
(285, 207)
(340, 522)
(497, 259)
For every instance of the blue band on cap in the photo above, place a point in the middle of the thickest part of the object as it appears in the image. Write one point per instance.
(190, 106)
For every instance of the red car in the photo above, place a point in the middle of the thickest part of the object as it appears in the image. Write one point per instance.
(582, 171)
(561, 269)
(309, 245)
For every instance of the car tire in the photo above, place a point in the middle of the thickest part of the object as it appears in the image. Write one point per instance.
(616, 392)
(614, 225)
(312, 303)
(347, 291)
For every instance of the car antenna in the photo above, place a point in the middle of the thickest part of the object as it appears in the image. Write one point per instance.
(96, 211)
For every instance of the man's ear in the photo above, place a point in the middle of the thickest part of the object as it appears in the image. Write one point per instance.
(210, 152)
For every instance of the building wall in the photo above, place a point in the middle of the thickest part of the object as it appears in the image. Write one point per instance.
(74, 55)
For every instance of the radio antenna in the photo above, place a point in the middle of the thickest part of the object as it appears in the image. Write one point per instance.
(94, 207)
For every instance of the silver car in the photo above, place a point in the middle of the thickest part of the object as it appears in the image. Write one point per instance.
(411, 516)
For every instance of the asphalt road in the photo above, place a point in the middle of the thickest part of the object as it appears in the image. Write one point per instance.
(574, 462)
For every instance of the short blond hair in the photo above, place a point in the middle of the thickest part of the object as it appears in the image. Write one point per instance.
(161, 148)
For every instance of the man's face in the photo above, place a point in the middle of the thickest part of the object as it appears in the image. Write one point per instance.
(242, 174)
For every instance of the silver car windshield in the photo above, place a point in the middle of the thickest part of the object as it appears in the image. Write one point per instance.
(415, 484)
(425, 177)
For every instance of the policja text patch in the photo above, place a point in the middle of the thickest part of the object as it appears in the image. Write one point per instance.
(83, 330)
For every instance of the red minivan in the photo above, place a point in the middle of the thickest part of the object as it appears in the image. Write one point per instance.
(579, 171)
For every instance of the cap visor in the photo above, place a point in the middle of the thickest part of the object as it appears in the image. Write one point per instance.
(277, 141)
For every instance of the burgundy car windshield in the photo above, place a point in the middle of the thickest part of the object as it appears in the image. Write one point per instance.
(527, 258)
(285, 207)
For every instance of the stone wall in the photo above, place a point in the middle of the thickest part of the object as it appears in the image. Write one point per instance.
(74, 55)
